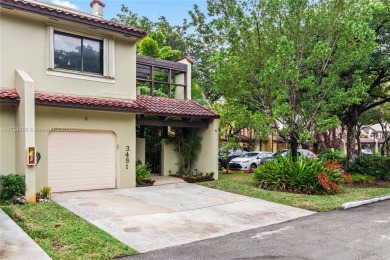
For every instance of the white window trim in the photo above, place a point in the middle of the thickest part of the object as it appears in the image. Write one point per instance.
(108, 58)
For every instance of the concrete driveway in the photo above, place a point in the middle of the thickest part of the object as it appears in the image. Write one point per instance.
(156, 217)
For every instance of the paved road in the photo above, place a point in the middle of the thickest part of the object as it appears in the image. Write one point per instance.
(358, 233)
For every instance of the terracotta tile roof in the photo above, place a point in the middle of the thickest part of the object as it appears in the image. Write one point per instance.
(97, 2)
(71, 16)
(9, 95)
(188, 58)
(367, 140)
(143, 104)
(174, 107)
(87, 102)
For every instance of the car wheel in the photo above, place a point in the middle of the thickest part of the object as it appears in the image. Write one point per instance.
(253, 166)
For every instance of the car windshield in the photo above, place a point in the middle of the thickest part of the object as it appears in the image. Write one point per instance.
(281, 153)
(249, 155)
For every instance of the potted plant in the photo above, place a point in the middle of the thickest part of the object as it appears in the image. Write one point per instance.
(44, 194)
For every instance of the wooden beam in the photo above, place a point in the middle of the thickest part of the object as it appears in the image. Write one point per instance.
(171, 122)
(169, 83)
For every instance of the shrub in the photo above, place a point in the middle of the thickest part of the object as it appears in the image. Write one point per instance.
(142, 173)
(333, 165)
(376, 166)
(13, 185)
(45, 192)
(329, 155)
(305, 175)
(199, 177)
(360, 178)
(347, 177)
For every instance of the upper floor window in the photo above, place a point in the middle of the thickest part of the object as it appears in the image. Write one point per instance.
(78, 53)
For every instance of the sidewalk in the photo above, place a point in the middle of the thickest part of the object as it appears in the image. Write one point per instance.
(15, 243)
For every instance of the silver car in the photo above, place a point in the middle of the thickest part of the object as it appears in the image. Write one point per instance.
(285, 152)
(248, 161)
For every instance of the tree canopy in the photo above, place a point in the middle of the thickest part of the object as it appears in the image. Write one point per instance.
(284, 58)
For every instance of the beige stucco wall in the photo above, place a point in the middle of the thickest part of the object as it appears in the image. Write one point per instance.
(122, 124)
(140, 150)
(7, 139)
(180, 79)
(25, 44)
(208, 155)
(169, 159)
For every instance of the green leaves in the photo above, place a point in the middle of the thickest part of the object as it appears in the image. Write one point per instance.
(12, 185)
(291, 60)
(148, 47)
(299, 176)
(142, 173)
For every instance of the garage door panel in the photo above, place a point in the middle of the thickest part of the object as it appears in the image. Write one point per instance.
(91, 150)
(81, 161)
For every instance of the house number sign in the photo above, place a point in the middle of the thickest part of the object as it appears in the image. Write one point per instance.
(127, 157)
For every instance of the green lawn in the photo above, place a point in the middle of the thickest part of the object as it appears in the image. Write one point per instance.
(245, 185)
(63, 235)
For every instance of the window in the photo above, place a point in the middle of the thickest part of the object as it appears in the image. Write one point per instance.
(78, 53)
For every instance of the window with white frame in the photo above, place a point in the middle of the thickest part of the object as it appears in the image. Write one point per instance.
(81, 54)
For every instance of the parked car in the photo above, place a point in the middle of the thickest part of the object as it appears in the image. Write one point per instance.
(248, 161)
(224, 156)
(364, 152)
(285, 152)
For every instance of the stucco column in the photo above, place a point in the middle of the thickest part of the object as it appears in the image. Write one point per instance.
(25, 134)
(140, 150)
(180, 79)
(208, 154)
(169, 159)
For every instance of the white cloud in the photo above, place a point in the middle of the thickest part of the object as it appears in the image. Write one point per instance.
(65, 3)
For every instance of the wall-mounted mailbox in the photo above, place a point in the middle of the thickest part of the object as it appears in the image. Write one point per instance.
(31, 156)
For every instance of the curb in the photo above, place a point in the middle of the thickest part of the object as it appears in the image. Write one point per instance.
(353, 204)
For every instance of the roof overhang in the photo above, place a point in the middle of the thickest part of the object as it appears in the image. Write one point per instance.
(154, 111)
(74, 17)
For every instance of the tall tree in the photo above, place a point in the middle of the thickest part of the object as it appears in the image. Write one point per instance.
(369, 79)
(283, 57)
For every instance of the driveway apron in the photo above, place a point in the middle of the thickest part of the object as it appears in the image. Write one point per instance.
(151, 218)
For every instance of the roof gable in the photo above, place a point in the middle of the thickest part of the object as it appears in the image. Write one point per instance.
(58, 13)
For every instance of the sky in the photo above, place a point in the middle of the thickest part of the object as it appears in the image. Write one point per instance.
(174, 10)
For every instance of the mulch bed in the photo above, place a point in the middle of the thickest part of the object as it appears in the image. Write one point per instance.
(376, 184)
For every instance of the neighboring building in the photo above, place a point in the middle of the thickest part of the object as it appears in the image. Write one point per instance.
(373, 138)
(68, 88)
(247, 138)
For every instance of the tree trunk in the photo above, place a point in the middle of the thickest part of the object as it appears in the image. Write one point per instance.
(351, 136)
(359, 145)
(294, 146)
(385, 149)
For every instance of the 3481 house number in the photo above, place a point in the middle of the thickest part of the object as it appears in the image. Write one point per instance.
(127, 157)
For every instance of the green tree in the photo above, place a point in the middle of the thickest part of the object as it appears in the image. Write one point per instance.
(369, 79)
(283, 58)
(148, 47)
(235, 117)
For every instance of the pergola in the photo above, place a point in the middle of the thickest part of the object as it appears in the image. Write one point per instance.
(147, 67)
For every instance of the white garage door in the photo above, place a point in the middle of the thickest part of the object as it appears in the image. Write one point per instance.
(81, 161)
